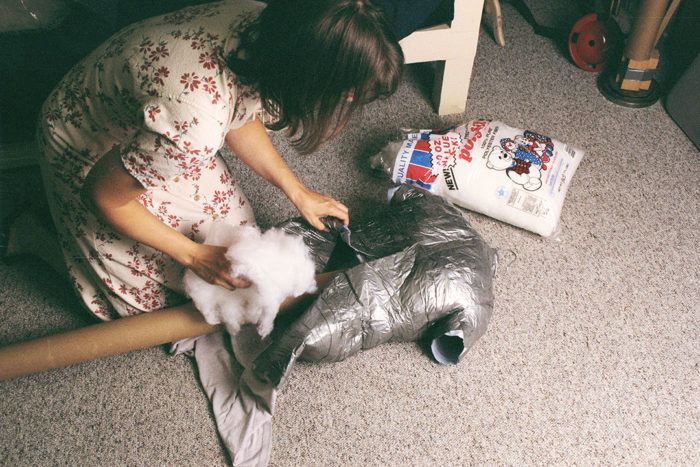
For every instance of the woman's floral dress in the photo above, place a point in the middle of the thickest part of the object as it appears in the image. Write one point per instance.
(159, 90)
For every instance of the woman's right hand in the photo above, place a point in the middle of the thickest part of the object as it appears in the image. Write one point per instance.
(211, 264)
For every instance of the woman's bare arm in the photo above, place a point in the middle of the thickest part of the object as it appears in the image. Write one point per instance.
(111, 193)
(252, 145)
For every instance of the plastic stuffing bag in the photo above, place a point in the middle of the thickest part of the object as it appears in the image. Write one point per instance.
(417, 271)
(517, 176)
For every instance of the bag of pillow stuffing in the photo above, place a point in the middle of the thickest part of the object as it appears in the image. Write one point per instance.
(516, 176)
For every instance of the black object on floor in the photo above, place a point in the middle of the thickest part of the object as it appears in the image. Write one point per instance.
(683, 102)
(610, 88)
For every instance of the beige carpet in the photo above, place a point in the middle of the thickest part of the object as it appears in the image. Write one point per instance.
(591, 357)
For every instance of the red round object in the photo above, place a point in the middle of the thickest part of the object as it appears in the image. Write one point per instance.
(591, 40)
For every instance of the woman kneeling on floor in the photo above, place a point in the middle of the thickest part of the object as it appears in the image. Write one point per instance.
(130, 137)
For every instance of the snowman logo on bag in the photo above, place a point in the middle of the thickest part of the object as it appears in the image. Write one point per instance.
(537, 144)
(523, 158)
(530, 146)
(520, 150)
(521, 171)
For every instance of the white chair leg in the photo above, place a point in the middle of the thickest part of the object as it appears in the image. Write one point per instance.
(451, 86)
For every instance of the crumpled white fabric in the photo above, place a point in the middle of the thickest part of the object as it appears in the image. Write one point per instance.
(242, 404)
(278, 265)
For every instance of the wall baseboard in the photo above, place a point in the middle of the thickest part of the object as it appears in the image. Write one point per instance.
(15, 155)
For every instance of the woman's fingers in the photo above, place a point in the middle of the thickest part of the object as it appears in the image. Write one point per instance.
(229, 282)
(214, 267)
(314, 206)
(316, 223)
(223, 283)
(339, 210)
(240, 282)
(331, 207)
(341, 206)
(232, 282)
(343, 216)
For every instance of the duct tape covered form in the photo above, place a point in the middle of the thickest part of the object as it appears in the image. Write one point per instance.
(417, 271)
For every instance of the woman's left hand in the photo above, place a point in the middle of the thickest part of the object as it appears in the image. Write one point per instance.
(313, 206)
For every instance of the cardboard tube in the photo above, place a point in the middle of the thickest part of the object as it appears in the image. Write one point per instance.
(113, 337)
(646, 25)
(664, 23)
(102, 340)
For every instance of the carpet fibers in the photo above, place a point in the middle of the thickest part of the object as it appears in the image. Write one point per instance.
(591, 356)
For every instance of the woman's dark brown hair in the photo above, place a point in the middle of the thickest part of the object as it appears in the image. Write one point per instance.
(314, 62)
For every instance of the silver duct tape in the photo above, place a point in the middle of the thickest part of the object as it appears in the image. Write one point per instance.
(427, 274)
(320, 243)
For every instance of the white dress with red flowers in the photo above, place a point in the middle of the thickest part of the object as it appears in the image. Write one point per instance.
(159, 90)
